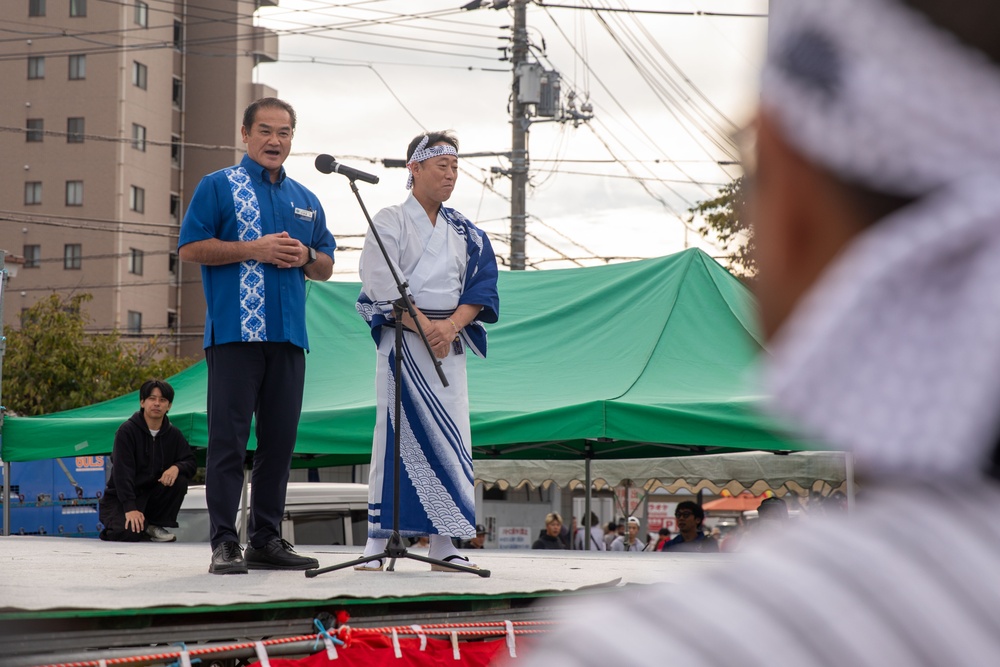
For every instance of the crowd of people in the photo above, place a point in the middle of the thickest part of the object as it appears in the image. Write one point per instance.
(692, 535)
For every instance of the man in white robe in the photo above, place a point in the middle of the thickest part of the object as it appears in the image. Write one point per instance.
(451, 273)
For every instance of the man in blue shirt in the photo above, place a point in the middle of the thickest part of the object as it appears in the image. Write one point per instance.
(690, 536)
(258, 235)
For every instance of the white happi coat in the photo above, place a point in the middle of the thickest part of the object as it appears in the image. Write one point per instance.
(436, 475)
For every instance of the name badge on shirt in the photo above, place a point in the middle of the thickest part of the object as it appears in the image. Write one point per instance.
(305, 214)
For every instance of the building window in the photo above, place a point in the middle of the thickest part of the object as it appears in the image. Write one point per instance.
(74, 193)
(139, 72)
(171, 320)
(77, 8)
(77, 67)
(177, 92)
(172, 263)
(141, 13)
(32, 256)
(134, 322)
(178, 35)
(33, 192)
(72, 256)
(35, 129)
(137, 199)
(175, 150)
(175, 208)
(36, 67)
(36, 7)
(74, 130)
(139, 137)
(135, 261)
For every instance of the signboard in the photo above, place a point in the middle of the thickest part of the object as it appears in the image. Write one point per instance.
(661, 515)
(513, 537)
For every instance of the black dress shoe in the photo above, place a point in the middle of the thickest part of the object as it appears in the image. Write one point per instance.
(278, 555)
(227, 558)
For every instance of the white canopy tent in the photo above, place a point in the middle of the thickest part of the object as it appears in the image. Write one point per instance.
(794, 472)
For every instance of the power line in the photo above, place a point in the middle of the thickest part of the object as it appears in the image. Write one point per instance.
(665, 12)
(611, 95)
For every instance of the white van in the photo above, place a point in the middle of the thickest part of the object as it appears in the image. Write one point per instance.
(315, 513)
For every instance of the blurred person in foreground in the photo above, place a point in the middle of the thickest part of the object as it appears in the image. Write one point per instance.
(877, 218)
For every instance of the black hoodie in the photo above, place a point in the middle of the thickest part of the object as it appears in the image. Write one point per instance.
(139, 459)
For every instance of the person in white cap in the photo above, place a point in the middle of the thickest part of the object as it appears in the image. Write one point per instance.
(876, 208)
(630, 541)
(451, 272)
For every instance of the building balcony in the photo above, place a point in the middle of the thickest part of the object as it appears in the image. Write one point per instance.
(265, 45)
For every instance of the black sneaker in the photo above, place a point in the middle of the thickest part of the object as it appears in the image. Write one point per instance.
(227, 558)
(278, 555)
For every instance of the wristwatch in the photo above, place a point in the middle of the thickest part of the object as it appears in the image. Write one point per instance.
(312, 256)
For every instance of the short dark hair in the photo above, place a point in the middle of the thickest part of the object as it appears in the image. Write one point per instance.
(446, 136)
(693, 506)
(250, 113)
(146, 390)
(772, 507)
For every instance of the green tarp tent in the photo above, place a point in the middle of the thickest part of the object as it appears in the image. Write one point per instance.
(641, 359)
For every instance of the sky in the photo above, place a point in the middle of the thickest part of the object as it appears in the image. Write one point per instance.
(667, 92)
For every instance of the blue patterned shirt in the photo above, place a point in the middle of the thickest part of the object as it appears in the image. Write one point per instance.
(232, 291)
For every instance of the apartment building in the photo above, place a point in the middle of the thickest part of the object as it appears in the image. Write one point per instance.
(113, 111)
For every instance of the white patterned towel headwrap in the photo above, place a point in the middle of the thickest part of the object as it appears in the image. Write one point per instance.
(895, 352)
(422, 152)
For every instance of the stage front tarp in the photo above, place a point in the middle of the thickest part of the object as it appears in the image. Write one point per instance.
(639, 359)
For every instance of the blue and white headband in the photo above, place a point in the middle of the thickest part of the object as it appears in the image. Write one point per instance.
(878, 94)
(422, 153)
(894, 351)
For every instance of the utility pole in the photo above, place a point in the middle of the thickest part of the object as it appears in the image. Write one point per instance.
(519, 138)
(3, 350)
(535, 97)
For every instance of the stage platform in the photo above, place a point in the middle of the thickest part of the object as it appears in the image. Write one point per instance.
(71, 599)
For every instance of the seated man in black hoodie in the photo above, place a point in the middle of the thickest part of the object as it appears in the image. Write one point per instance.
(151, 465)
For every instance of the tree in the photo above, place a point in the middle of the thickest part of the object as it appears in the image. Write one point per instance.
(52, 364)
(724, 220)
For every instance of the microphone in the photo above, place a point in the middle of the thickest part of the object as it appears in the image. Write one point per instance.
(328, 164)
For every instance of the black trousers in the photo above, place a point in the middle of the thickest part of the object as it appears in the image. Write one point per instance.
(159, 505)
(245, 381)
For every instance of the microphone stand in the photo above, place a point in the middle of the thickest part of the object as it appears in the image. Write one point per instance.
(395, 548)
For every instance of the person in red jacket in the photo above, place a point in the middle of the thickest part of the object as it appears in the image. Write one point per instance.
(151, 465)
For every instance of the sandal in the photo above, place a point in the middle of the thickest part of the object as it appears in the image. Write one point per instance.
(454, 557)
(374, 565)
